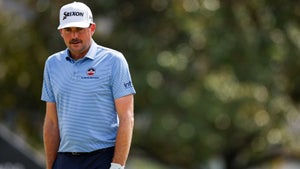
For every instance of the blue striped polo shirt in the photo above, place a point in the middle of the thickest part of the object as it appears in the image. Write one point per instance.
(84, 91)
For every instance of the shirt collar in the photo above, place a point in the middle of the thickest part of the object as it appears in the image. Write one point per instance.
(92, 51)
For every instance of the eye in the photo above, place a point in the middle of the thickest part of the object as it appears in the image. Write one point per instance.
(68, 29)
(79, 29)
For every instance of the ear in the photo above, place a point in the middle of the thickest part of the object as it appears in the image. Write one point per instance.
(60, 31)
(93, 28)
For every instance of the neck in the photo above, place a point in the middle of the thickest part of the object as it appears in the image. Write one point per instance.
(78, 54)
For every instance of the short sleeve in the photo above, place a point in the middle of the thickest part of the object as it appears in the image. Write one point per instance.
(122, 84)
(47, 92)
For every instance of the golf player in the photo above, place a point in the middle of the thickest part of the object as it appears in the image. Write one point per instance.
(89, 99)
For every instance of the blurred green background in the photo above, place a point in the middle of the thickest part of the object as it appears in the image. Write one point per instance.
(217, 81)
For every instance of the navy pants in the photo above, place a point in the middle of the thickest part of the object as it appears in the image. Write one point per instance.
(99, 159)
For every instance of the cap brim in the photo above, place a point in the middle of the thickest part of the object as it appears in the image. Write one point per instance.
(74, 24)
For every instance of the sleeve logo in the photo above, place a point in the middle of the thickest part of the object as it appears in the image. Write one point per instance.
(128, 85)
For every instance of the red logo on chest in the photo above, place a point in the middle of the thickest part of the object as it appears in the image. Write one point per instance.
(91, 71)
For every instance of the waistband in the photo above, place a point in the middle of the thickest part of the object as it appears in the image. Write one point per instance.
(87, 153)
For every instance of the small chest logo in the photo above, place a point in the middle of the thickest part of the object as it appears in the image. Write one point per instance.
(91, 72)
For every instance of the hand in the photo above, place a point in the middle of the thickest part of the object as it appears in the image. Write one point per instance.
(116, 166)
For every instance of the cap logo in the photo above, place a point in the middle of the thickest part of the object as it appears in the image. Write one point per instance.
(67, 14)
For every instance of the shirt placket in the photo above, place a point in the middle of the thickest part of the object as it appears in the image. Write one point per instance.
(76, 71)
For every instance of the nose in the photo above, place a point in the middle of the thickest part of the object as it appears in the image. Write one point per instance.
(74, 34)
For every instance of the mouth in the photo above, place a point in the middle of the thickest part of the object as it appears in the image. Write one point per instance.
(75, 41)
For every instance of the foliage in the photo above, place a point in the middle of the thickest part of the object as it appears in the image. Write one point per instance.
(214, 79)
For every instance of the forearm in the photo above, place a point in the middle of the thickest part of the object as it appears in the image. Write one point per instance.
(51, 143)
(123, 141)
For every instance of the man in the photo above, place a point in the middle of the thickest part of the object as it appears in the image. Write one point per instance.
(89, 99)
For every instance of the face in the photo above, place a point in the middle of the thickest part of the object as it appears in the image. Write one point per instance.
(78, 40)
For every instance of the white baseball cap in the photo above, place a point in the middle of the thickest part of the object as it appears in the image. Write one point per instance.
(75, 14)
